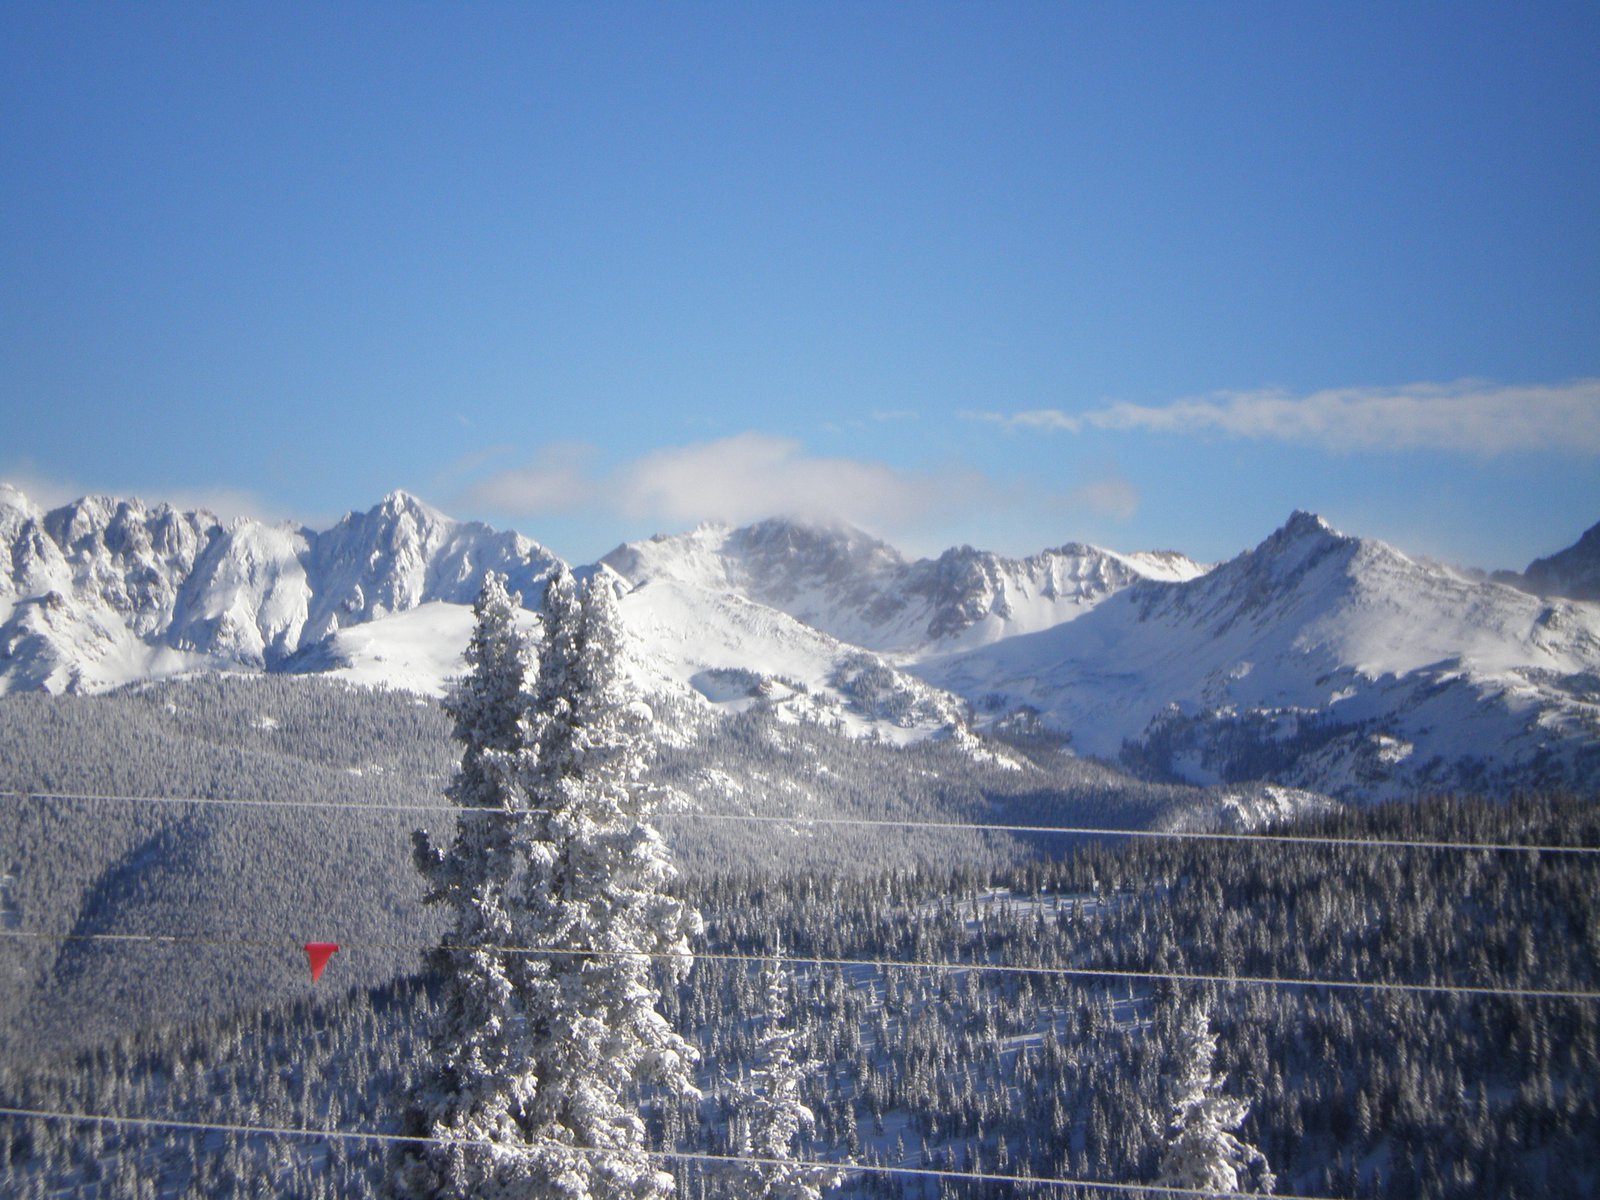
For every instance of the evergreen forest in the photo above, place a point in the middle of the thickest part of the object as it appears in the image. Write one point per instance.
(1038, 1038)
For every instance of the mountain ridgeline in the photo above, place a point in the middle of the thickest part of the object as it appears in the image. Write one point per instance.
(104, 591)
(1315, 660)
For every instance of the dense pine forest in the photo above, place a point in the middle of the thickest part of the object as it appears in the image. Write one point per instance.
(961, 1068)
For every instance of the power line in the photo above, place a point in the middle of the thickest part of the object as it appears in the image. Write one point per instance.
(1156, 834)
(876, 963)
(855, 822)
(360, 1135)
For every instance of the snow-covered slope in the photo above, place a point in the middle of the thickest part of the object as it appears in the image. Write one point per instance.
(1319, 659)
(732, 653)
(103, 591)
(418, 650)
(860, 590)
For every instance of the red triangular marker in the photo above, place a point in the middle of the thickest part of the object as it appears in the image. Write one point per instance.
(319, 953)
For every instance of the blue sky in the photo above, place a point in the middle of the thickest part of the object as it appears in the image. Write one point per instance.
(1151, 275)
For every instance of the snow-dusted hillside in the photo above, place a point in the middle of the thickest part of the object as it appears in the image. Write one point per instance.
(733, 653)
(860, 590)
(1316, 659)
(820, 621)
(105, 591)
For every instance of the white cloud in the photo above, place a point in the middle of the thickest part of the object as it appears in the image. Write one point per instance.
(1112, 496)
(737, 479)
(555, 482)
(753, 475)
(1039, 418)
(1469, 416)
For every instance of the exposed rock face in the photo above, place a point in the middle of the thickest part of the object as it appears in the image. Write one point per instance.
(1573, 573)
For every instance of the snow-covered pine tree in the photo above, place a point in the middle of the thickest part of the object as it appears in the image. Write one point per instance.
(594, 896)
(772, 1121)
(478, 1079)
(540, 1056)
(1202, 1153)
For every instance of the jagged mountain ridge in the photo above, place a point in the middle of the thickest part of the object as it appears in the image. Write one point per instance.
(860, 590)
(107, 591)
(103, 591)
(1315, 658)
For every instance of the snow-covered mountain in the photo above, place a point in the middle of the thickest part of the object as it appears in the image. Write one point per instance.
(1318, 659)
(1314, 660)
(848, 584)
(820, 621)
(103, 591)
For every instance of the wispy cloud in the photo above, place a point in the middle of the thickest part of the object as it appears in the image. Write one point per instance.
(1468, 416)
(752, 475)
(1037, 418)
(736, 479)
(556, 481)
(1112, 496)
(225, 503)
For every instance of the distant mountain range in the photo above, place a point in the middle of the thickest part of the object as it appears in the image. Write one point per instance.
(1323, 661)
(104, 591)
(1333, 662)
(859, 590)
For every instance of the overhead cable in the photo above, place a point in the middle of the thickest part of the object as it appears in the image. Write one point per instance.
(359, 1135)
(945, 966)
(803, 820)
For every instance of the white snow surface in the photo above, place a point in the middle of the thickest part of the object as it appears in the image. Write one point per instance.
(1310, 621)
(420, 650)
(848, 584)
(733, 653)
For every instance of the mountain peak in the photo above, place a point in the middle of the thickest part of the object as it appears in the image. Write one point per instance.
(810, 533)
(1303, 524)
(1303, 534)
(401, 501)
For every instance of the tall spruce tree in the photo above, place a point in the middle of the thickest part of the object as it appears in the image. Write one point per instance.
(772, 1122)
(595, 895)
(542, 1053)
(477, 1082)
(1202, 1153)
